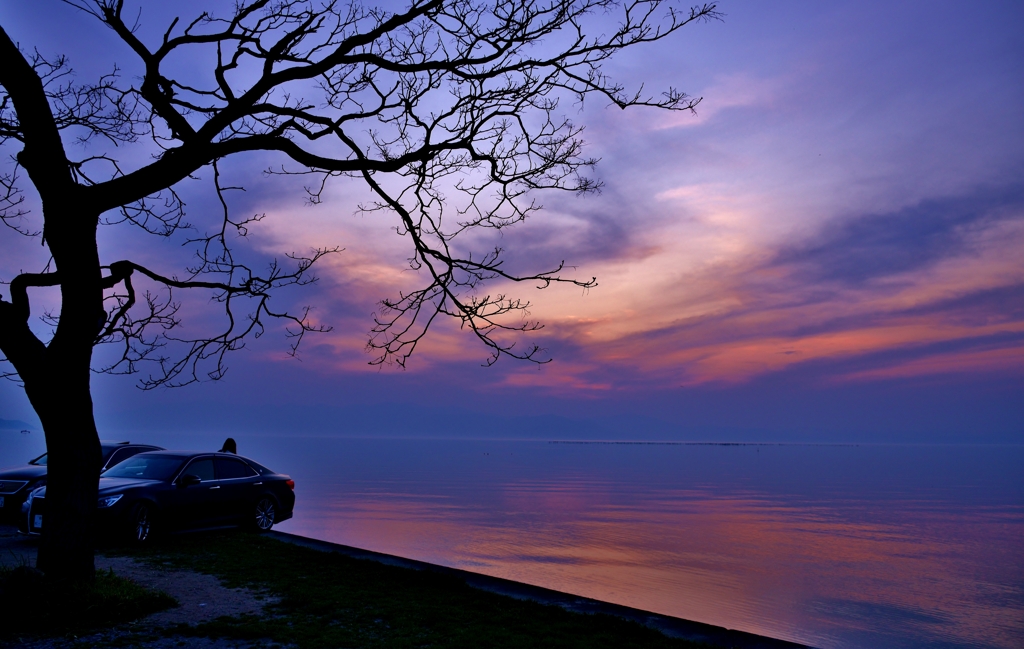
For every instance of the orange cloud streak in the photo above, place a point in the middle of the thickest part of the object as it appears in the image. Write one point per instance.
(697, 298)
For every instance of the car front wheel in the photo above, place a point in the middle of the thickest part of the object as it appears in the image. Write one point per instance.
(140, 527)
(264, 514)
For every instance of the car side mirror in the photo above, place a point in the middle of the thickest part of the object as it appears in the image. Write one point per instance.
(188, 480)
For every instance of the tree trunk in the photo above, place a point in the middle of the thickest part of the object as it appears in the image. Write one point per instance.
(57, 382)
(63, 400)
(66, 550)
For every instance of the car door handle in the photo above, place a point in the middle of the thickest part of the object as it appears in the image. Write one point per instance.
(256, 484)
(217, 487)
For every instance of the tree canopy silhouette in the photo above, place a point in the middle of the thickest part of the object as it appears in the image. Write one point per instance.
(450, 112)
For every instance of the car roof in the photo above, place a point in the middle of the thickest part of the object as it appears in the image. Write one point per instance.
(110, 443)
(110, 447)
(191, 454)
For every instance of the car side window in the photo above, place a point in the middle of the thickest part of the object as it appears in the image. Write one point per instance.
(228, 468)
(202, 468)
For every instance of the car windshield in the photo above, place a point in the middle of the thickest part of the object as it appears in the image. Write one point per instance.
(146, 467)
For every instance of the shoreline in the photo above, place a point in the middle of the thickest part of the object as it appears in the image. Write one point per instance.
(17, 549)
(671, 626)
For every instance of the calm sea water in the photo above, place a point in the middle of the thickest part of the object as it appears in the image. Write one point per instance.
(833, 546)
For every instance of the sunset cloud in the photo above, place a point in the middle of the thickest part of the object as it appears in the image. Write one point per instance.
(846, 200)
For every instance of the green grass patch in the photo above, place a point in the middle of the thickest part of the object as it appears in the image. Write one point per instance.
(31, 605)
(331, 600)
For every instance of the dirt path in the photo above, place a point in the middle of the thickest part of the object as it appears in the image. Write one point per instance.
(201, 598)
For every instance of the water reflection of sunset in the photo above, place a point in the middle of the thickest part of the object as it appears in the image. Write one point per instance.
(805, 567)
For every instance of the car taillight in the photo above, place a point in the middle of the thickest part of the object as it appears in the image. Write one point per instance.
(291, 484)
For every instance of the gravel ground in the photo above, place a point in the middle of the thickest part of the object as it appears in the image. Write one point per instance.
(201, 598)
(139, 639)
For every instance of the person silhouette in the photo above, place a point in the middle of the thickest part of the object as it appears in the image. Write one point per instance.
(229, 446)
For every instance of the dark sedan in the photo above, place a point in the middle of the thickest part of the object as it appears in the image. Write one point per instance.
(17, 483)
(176, 490)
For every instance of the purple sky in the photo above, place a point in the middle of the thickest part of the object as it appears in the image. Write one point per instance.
(829, 250)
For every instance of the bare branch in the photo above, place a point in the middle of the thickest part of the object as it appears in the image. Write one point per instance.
(12, 214)
(452, 112)
(242, 286)
(19, 291)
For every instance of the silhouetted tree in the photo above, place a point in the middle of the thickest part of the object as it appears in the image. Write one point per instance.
(450, 112)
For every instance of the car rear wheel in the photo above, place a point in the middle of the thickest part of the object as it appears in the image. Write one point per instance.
(140, 527)
(264, 514)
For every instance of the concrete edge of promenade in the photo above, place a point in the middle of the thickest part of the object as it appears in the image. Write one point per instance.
(671, 626)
